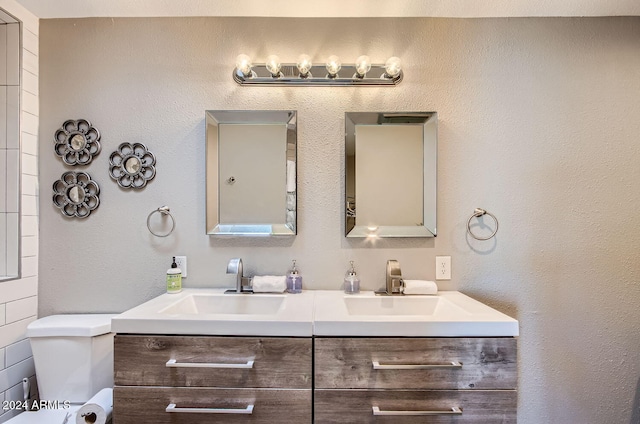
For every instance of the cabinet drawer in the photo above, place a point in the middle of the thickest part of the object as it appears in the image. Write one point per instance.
(415, 363)
(413, 407)
(135, 405)
(212, 361)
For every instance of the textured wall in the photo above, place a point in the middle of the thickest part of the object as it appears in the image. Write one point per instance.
(538, 124)
(18, 297)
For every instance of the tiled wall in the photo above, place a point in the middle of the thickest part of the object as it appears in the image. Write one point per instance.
(18, 297)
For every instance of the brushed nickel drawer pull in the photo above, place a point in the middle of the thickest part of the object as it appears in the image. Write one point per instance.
(452, 411)
(247, 411)
(378, 366)
(172, 363)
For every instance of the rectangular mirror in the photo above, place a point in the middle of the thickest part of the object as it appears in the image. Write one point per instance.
(390, 167)
(251, 172)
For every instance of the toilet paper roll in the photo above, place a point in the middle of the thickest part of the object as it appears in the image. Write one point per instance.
(97, 410)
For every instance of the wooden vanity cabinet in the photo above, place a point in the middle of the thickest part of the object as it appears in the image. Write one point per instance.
(415, 380)
(211, 379)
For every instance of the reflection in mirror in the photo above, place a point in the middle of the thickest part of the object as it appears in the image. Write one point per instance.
(10, 147)
(251, 172)
(390, 167)
(78, 142)
(132, 165)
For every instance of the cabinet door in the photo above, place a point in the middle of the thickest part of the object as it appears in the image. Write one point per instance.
(415, 363)
(192, 361)
(182, 405)
(415, 407)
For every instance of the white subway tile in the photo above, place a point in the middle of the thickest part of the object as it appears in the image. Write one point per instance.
(12, 180)
(3, 54)
(13, 54)
(3, 115)
(29, 205)
(29, 225)
(29, 164)
(30, 82)
(13, 117)
(3, 314)
(29, 185)
(14, 332)
(29, 123)
(30, 266)
(29, 143)
(3, 364)
(29, 62)
(18, 352)
(29, 246)
(18, 289)
(30, 41)
(30, 103)
(21, 309)
(12, 377)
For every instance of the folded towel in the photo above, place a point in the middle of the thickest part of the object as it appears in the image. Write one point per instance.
(269, 283)
(420, 287)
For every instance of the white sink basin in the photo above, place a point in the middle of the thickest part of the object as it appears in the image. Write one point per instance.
(447, 314)
(391, 305)
(220, 303)
(212, 312)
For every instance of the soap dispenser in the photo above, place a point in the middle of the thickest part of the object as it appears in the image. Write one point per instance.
(174, 278)
(294, 280)
(351, 281)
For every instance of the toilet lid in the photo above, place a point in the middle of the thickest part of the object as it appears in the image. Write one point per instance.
(74, 325)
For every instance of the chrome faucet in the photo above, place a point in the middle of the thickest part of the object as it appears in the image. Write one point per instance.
(394, 283)
(235, 267)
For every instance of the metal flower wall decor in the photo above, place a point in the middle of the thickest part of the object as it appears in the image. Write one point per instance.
(132, 165)
(77, 142)
(76, 194)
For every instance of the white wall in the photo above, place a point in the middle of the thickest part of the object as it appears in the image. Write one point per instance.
(538, 123)
(18, 298)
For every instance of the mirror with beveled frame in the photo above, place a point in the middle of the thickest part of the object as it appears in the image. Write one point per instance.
(251, 172)
(390, 174)
(10, 150)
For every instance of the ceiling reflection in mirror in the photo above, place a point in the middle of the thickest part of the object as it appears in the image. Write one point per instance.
(251, 173)
(390, 174)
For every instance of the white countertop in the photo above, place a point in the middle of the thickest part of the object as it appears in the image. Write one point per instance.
(454, 315)
(315, 312)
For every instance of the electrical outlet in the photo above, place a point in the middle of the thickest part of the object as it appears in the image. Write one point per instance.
(181, 261)
(443, 267)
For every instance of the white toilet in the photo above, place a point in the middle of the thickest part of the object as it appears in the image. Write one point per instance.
(73, 357)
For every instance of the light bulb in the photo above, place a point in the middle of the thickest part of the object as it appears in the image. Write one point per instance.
(393, 67)
(243, 64)
(363, 65)
(273, 65)
(304, 65)
(333, 65)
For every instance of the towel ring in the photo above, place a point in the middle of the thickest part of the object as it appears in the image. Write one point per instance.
(477, 213)
(164, 210)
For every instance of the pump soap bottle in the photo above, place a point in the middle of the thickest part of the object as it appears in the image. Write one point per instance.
(294, 280)
(351, 281)
(174, 278)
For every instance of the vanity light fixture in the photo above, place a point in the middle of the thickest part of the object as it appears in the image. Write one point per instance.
(304, 73)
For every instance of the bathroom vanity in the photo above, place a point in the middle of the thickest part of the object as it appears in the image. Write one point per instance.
(315, 357)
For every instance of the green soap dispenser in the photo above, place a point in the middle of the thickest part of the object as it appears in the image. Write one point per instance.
(174, 278)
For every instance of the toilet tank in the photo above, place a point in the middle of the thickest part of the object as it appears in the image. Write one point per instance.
(73, 355)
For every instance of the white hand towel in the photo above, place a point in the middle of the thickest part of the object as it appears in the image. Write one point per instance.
(420, 287)
(269, 283)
